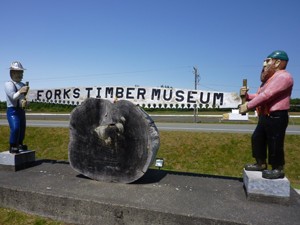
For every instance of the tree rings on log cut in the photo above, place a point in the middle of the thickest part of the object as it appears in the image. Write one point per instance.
(112, 142)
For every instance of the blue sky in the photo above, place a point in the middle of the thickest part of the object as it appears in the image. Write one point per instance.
(74, 43)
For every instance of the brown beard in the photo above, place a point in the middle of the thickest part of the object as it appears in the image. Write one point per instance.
(267, 72)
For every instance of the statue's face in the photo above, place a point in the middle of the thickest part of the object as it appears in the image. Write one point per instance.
(270, 66)
(16, 75)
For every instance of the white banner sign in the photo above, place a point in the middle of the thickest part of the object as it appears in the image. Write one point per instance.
(148, 97)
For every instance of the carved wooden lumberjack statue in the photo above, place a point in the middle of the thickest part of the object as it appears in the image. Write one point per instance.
(16, 101)
(272, 102)
(112, 142)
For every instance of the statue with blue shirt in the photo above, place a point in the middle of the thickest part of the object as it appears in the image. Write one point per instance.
(16, 92)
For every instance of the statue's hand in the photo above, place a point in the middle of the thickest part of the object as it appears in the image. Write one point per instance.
(243, 108)
(24, 90)
(24, 103)
(243, 91)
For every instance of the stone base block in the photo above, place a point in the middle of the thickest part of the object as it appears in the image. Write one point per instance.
(266, 190)
(14, 162)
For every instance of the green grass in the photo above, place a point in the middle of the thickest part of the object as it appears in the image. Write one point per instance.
(221, 154)
(197, 152)
(13, 217)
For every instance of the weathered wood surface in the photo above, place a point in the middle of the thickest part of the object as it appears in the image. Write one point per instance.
(112, 142)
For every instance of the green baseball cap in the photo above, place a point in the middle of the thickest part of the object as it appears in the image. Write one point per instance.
(279, 55)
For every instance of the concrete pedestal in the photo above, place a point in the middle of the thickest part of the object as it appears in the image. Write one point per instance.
(14, 162)
(267, 190)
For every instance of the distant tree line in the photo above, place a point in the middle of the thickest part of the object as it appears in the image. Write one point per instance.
(295, 105)
(44, 107)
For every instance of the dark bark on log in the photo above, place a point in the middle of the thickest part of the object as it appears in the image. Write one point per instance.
(112, 142)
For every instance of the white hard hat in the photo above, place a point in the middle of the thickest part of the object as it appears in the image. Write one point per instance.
(16, 66)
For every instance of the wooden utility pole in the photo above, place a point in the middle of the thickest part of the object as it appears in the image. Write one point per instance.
(196, 87)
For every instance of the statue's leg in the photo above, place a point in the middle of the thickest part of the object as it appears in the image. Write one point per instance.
(14, 125)
(259, 148)
(277, 124)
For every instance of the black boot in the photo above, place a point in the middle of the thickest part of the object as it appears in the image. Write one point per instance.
(276, 173)
(13, 149)
(260, 165)
(23, 147)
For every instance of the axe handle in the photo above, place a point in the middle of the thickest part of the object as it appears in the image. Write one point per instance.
(27, 84)
(25, 98)
(244, 96)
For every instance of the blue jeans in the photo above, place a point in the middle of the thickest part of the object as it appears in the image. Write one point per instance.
(17, 123)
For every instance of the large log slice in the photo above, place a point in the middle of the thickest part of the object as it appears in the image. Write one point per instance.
(112, 142)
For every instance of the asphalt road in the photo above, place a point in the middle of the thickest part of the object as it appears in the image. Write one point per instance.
(194, 127)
